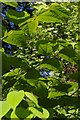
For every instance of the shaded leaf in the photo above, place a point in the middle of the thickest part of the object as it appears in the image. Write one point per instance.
(32, 74)
(41, 89)
(22, 112)
(51, 64)
(16, 62)
(68, 53)
(17, 17)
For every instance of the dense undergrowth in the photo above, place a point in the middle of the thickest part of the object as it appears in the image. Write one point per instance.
(40, 61)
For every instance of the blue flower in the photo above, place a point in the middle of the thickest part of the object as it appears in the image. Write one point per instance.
(4, 16)
(20, 8)
(11, 24)
(44, 74)
(9, 46)
(10, 53)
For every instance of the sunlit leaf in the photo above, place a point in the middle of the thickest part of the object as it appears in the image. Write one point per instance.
(32, 25)
(16, 37)
(45, 49)
(32, 97)
(14, 98)
(13, 4)
(14, 116)
(54, 94)
(4, 108)
(48, 17)
(39, 112)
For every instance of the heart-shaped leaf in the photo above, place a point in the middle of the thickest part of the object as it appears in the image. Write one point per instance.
(14, 98)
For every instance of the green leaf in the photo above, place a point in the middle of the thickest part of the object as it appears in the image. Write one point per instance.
(41, 42)
(41, 89)
(32, 97)
(45, 49)
(58, 11)
(16, 62)
(68, 53)
(39, 112)
(61, 111)
(54, 94)
(29, 117)
(74, 87)
(48, 17)
(17, 17)
(22, 112)
(4, 31)
(14, 98)
(4, 108)
(8, 113)
(74, 76)
(13, 115)
(32, 25)
(12, 73)
(13, 4)
(16, 37)
(32, 74)
(51, 64)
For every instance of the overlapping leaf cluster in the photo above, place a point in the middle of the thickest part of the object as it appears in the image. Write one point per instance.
(45, 79)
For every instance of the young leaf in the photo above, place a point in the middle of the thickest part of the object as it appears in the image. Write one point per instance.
(4, 108)
(54, 94)
(14, 98)
(39, 112)
(32, 97)
(13, 115)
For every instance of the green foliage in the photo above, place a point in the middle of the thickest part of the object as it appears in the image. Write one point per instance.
(48, 42)
(16, 62)
(17, 38)
(14, 98)
(13, 4)
(17, 17)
